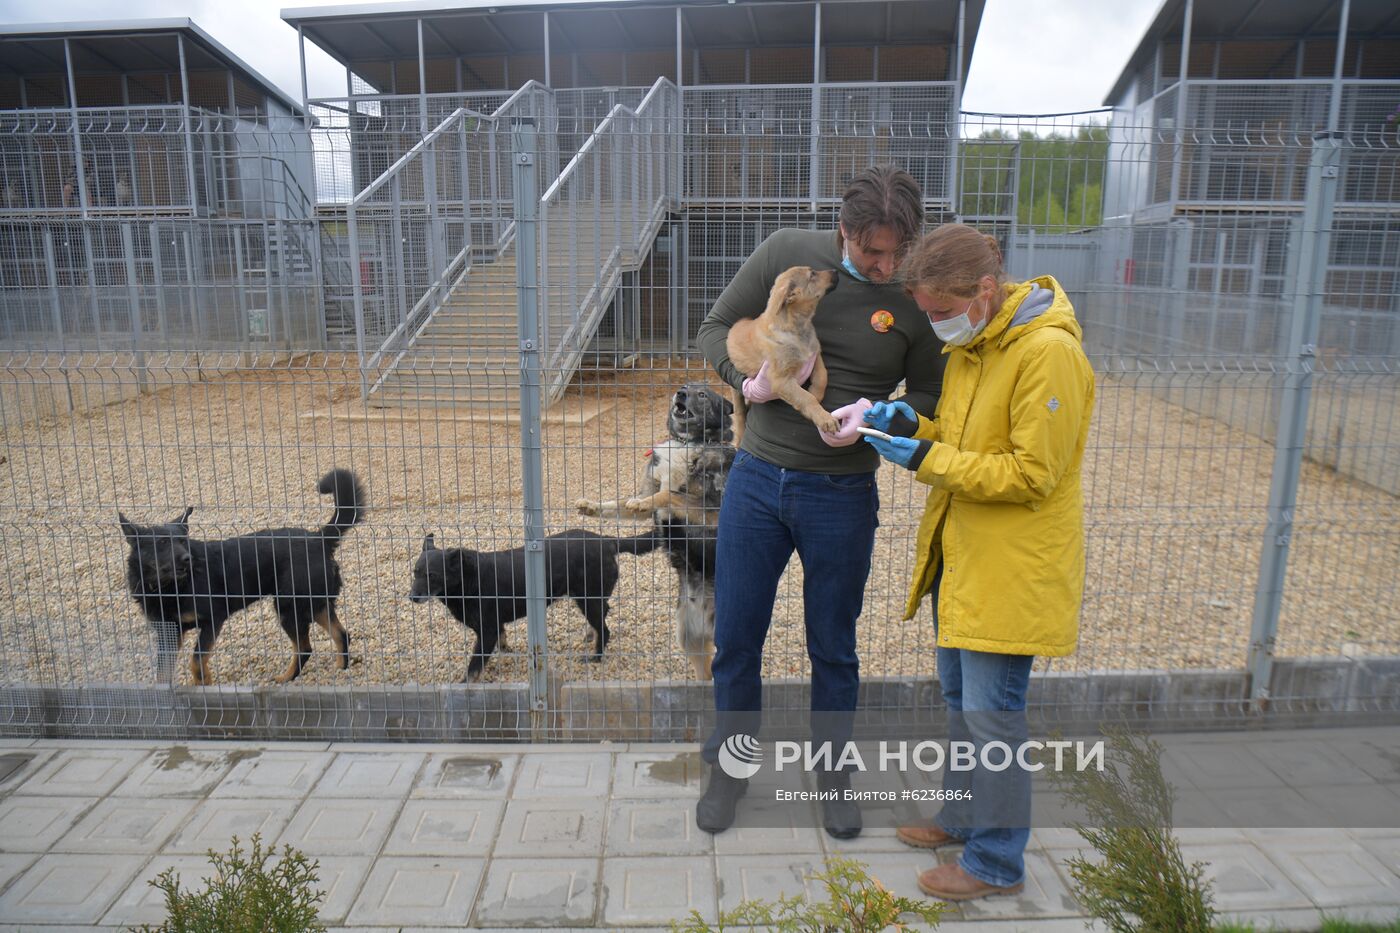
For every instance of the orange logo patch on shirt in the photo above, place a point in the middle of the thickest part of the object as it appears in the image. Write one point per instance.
(882, 320)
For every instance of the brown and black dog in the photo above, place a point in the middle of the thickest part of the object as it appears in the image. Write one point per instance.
(681, 493)
(784, 337)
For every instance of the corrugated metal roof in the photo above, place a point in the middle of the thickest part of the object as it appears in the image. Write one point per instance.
(373, 31)
(133, 55)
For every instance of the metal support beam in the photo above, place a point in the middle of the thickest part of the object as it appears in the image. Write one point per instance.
(189, 130)
(133, 305)
(1314, 243)
(1178, 127)
(422, 83)
(814, 178)
(1335, 110)
(524, 146)
(55, 303)
(305, 98)
(954, 178)
(158, 278)
(84, 196)
(548, 77)
(680, 58)
(358, 292)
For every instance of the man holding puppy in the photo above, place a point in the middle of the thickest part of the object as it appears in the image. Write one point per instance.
(794, 488)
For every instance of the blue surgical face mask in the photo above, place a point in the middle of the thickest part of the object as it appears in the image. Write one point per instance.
(850, 266)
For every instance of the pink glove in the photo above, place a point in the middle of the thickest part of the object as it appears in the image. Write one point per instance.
(851, 417)
(757, 388)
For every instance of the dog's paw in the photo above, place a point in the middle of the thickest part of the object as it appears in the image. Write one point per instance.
(636, 506)
(587, 507)
(828, 425)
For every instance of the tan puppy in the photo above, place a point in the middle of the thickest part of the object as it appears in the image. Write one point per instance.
(783, 335)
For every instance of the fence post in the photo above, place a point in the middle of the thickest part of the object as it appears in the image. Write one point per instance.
(90, 268)
(524, 146)
(158, 280)
(357, 289)
(1178, 274)
(280, 227)
(1314, 245)
(55, 303)
(133, 304)
(493, 192)
(397, 312)
(240, 319)
(463, 187)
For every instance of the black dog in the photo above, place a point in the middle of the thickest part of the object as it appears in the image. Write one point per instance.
(183, 584)
(682, 489)
(484, 590)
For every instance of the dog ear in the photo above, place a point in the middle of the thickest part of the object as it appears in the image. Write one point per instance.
(128, 529)
(428, 544)
(778, 297)
(184, 520)
(789, 293)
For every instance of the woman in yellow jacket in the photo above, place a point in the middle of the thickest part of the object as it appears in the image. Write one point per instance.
(1001, 543)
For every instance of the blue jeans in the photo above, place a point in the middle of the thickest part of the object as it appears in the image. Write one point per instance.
(986, 698)
(767, 513)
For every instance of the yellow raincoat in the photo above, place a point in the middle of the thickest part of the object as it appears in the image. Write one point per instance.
(1005, 515)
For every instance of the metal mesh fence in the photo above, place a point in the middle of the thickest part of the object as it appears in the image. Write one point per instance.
(545, 374)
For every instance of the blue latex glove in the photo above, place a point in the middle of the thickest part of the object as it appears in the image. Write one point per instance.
(904, 451)
(895, 418)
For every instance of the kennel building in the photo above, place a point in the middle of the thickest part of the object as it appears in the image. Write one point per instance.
(735, 119)
(155, 193)
(1215, 118)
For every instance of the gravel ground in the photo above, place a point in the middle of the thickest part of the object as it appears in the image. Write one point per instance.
(1175, 512)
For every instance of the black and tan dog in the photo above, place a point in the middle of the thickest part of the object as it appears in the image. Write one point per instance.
(182, 584)
(784, 338)
(682, 489)
(485, 590)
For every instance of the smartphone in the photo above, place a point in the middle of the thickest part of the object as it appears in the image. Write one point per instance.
(871, 432)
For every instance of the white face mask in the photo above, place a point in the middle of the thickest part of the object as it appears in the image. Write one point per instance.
(959, 331)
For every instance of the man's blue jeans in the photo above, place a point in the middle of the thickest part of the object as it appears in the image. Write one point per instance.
(767, 513)
(986, 698)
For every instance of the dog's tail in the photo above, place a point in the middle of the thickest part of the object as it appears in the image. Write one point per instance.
(350, 505)
(640, 544)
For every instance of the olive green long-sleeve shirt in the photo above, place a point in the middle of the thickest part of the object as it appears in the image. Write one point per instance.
(862, 359)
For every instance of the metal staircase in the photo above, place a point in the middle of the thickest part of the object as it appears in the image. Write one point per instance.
(598, 218)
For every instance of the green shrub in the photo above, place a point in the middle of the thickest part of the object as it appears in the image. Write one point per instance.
(1143, 884)
(245, 895)
(856, 903)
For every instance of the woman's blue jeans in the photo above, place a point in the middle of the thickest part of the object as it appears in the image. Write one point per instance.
(986, 698)
(767, 513)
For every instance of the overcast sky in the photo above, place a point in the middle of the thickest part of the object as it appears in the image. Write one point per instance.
(1032, 56)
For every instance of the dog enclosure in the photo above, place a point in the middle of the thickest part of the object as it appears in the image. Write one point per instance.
(501, 294)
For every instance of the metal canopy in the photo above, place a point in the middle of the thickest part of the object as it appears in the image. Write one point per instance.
(1259, 19)
(378, 32)
(123, 47)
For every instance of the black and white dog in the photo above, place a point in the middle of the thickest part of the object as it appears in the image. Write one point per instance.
(681, 492)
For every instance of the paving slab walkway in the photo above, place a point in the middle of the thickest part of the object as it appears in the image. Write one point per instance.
(599, 836)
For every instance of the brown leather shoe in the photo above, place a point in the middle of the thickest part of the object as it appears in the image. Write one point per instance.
(925, 837)
(950, 883)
